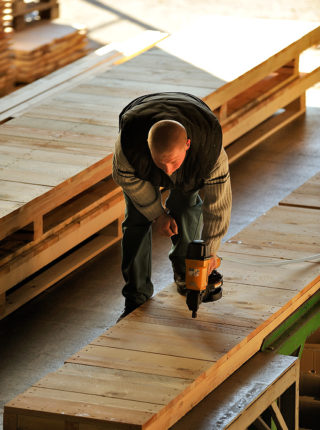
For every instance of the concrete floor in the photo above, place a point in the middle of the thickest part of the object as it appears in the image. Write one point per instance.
(37, 338)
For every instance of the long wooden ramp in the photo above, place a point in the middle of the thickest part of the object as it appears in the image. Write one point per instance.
(156, 364)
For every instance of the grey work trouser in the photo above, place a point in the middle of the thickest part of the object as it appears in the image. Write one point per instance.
(186, 209)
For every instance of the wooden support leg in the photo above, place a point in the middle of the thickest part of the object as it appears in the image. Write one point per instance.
(10, 421)
(71, 426)
(223, 112)
(289, 403)
(277, 417)
(2, 303)
(298, 105)
(38, 227)
(260, 424)
(292, 67)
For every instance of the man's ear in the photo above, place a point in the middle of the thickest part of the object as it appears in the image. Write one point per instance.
(188, 144)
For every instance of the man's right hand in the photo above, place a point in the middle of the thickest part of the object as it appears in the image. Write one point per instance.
(166, 225)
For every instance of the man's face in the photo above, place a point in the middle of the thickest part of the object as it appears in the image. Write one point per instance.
(169, 162)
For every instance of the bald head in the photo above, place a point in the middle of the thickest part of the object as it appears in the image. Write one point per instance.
(165, 136)
(168, 144)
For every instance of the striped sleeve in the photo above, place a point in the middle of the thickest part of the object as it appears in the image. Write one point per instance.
(217, 201)
(145, 197)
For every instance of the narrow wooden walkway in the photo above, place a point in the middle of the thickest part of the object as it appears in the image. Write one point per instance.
(156, 364)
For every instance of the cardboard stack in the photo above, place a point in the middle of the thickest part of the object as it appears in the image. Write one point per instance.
(41, 49)
(7, 75)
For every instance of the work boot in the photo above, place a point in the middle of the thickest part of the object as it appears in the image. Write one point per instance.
(180, 281)
(213, 291)
(127, 310)
(215, 279)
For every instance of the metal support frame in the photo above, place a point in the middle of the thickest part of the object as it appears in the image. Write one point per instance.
(289, 338)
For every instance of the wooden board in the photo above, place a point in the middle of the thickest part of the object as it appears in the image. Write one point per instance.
(157, 363)
(307, 196)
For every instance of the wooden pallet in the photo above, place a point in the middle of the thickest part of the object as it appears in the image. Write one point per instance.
(157, 363)
(26, 14)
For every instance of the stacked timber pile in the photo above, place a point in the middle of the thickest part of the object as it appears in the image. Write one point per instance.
(6, 65)
(40, 50)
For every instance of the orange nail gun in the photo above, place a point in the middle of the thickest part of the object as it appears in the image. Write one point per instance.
(200, 286)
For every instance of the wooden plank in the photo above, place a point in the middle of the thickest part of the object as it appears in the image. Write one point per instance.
(114, 383)
(98, 407)
(277, 417)
(141, 362)
(156, 338)
(306, 196)
(19, 192)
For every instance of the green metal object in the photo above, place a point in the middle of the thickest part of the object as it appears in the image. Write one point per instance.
(289, 338)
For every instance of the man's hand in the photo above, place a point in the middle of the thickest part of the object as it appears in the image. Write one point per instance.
(166, 225)
(214, 263)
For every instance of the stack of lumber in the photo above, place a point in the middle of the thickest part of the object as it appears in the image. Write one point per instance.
(40, 50)
(6, 64)
(156, 364)
(26, 13)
